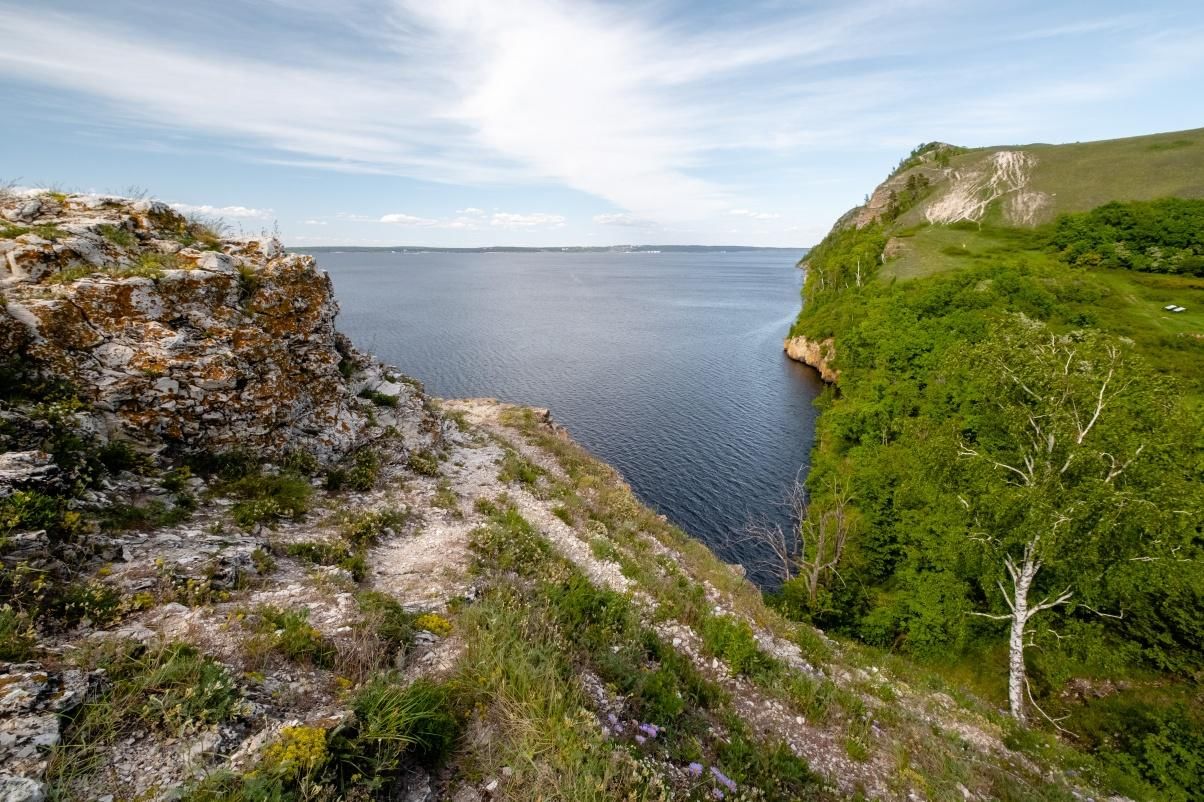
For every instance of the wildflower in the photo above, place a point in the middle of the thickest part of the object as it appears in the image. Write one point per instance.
(613, 719)
(723, 779)
(640, 739)
(695, 769)
(716, 793)
(651, 730)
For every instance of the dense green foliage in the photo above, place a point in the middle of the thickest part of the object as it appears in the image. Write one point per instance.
(1161, 236)
(846, 258)
(958, 428)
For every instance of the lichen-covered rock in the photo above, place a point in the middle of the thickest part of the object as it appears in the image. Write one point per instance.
(172, 333)
(33, 702)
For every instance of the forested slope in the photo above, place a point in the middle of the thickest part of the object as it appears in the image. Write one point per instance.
(1007, 481)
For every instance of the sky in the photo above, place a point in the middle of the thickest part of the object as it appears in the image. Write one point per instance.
(562, 122)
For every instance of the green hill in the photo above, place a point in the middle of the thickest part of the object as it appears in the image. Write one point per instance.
(1017, 427)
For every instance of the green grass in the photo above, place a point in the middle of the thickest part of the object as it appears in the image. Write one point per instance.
(424, 463)
(117, 235)
(172, 689)
(266, 498)
(1083, 175)
(288, 634)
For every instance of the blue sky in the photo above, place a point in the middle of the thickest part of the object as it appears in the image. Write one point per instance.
(451, 122)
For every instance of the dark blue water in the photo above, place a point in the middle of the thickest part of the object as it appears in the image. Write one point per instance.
(668, 366)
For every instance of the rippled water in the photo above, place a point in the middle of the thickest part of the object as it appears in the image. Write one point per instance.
(669, 366)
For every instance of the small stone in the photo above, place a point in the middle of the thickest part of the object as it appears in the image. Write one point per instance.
(491, 787)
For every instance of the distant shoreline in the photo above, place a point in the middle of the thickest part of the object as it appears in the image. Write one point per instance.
(519, 249)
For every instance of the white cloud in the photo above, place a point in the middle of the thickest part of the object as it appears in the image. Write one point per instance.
(471, 210)
(754, 215)
(622, 219)
(538, 219)
(475, 219)
(315, 222)
(408, 220)
(234, 212)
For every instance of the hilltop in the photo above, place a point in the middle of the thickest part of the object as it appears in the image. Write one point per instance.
(240, 559)
(1006, 484)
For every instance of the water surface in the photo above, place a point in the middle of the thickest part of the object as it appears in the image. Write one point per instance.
(669, 366)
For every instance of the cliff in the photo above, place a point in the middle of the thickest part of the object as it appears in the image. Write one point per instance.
(819, 354)
(175, 336)
(241, 561)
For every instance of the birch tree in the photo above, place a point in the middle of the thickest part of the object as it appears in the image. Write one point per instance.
(1066, 421)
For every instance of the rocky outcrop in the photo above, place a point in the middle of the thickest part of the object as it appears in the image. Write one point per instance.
(33, 702)
(173, 333)
(819, 354)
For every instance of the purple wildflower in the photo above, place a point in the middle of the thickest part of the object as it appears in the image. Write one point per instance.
(716, 793)
(639, 739)
(695, 769)
(723, 779)
(651, 730)
(612, 718)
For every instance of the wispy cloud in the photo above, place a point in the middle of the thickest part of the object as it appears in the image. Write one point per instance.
(750, 214)
(476, 219)
(603, 99)
(622, 219)
(653, 108)
(234, 212)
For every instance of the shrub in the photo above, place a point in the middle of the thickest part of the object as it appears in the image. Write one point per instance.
(320, 552)
(17, 635)
(299, 751)
(265, 498)
(516, 468)
(392, 720)
(424, 463)
(150, 515)
(303, 463)
(732, 641)
(388, 617)
(434, 624)
(176, 479)
(508, 542)
(446, 498)
(289, 633)
(119, 455)
(363, 474)
(365, 528)
(28, 510)
(248, 283)
(227, 466)
(380, 399)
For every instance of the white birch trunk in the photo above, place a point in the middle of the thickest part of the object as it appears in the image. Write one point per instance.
(1022, 581)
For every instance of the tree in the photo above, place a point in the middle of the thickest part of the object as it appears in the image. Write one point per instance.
(1053, 453)
(813, 551)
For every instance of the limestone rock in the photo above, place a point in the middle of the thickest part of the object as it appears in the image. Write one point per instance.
(175, 335)
(25, 469)
(32, 704)
(819, 354)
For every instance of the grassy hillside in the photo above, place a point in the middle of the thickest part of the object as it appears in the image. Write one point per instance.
(1019, 418)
